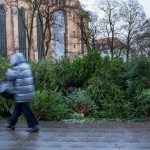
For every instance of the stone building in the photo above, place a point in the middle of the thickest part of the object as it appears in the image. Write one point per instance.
(15, 30)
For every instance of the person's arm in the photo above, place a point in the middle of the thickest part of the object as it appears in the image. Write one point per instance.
(11, 75)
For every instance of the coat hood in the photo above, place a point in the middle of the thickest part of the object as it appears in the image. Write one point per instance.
(17, 59)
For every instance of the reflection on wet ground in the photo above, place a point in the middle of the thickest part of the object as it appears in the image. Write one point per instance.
(87, 136)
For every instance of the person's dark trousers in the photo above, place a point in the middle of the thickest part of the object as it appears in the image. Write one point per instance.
(26, 110)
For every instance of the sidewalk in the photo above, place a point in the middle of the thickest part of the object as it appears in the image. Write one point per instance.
(87, 136)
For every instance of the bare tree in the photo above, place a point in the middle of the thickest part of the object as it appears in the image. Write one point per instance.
(89, 27)
(81, 19)
(48, 19)
(95, 30)
(110, 22)
(143, 39)
(28, 20)
(133, 15)
(45, 11)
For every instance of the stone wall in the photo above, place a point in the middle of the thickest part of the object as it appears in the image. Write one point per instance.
(72, 35)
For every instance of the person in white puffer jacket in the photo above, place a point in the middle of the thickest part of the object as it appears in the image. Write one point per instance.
(20, 74)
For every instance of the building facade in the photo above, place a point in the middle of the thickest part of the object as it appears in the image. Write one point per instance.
(16, 21)
(119, 48)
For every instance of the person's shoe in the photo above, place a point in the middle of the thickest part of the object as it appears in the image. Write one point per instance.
(33, 129)
(9, 127)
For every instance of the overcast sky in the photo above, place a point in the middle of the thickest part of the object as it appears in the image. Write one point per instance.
(144, 3)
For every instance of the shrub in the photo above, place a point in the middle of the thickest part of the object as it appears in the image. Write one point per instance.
(113, 70)
(141, 104)
(65, 73)
(4, 64)
(109, 97)
(48, 105)
(76, 73)
(44, 75)
(5, 107)
(81, 102)
(138, 76)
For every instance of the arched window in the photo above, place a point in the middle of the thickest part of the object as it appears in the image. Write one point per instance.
(22, 32)
(59, 34)
(40, 40)
(3, 38)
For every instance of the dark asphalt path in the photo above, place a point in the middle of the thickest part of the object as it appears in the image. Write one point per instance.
(87, 136)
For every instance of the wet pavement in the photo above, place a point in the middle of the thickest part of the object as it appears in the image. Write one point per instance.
(87, 136)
